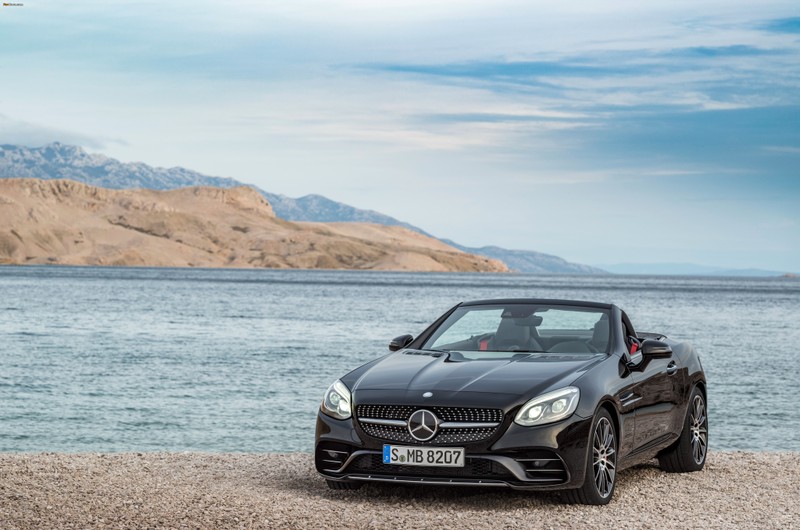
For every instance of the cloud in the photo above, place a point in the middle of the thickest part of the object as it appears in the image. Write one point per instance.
(735, 50)
(614, 63)
(714, 142)
(699, 77)
(783, 25)
(542, 103)
(18, 132)
(787, 149)
(503, 70)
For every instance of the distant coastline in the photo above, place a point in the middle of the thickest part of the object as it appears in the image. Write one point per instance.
(511, 273)
(70, 223)
(60, 161)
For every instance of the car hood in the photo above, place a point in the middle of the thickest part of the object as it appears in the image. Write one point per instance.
(415, 373)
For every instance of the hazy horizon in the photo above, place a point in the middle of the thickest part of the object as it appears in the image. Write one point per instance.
(665, 132)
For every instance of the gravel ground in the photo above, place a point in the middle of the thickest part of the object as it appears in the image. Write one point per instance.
(191, 490)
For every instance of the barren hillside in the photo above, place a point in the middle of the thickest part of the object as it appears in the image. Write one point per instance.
(66, 222)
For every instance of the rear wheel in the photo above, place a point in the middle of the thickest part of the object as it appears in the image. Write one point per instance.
(342, 485)
(689, 452)
(601, 464)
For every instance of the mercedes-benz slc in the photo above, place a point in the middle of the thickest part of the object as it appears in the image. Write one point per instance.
(523, 393)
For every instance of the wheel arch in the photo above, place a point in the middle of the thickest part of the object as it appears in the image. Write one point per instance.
(609, 406)
(587, 492)
(702, 386)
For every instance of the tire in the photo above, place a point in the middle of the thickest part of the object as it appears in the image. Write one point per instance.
(689, 452)
(601, 464)
(341, 485)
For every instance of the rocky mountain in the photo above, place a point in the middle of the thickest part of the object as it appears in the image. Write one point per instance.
(66, 222)
(59, 161)
(55, 161)
(316, 208)
(529, 260)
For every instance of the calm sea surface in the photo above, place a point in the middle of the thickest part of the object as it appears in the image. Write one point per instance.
(120, 359)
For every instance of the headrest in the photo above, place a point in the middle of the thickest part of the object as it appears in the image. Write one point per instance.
(518, 311)
(510, 331)
(601, 334)
(532, 320)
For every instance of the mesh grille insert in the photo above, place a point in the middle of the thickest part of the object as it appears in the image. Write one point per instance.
(473, 468)
(445, 436)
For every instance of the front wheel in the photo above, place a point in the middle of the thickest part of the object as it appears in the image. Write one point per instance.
(601, 464)
(689, 452)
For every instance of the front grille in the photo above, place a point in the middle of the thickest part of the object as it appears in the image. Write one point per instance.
(445, 436)
(477, 468)
(402, 412)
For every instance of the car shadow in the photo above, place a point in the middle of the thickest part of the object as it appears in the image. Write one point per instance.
(314, 487)
(304, 482)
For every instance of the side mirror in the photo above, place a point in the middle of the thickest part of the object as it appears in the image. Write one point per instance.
(655, 349)
(398, 343)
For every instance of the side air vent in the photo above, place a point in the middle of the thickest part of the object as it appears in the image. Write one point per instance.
(331, 456)
(543, 466)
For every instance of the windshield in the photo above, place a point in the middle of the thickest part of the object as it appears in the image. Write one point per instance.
(484, 331)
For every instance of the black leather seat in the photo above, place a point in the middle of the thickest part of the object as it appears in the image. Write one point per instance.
(601, 335)
(511, 335)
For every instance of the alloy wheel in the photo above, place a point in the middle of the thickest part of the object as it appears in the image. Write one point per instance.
(699, 429)
(605, 457)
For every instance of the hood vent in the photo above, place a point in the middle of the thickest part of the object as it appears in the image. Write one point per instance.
(429, 353)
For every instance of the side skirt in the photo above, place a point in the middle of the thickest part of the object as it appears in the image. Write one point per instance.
(647, 452)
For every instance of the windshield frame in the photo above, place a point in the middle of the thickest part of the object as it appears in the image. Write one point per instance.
(537, 306)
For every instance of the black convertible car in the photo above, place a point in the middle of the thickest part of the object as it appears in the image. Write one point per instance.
(522, 393)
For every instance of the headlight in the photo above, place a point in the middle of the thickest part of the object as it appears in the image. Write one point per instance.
(337, 401)
(550, 407)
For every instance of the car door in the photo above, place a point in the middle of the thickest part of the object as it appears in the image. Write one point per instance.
(655, 386)
(655, 393)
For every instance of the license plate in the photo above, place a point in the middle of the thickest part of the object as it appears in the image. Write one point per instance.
(423, 456)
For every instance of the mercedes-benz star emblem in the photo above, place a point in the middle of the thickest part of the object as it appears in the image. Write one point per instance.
(423, 425)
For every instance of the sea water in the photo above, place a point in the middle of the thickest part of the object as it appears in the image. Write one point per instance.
(154, 359)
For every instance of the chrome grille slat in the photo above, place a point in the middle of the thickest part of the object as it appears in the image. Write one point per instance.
(467, 425)
(382, 421)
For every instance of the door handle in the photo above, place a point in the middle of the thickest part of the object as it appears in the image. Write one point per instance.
(672, 368)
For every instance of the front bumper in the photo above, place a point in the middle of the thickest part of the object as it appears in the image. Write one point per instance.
(548, 457)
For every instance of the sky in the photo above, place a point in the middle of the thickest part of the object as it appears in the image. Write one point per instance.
(602, 132)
